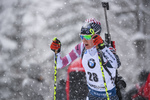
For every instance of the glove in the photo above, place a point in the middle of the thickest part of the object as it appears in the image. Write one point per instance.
(97, 40)
(56, 45)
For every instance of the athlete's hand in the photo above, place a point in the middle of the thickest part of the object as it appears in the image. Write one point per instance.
(55, 45)
(98, 41)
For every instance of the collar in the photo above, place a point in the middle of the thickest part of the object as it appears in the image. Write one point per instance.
(92, 51)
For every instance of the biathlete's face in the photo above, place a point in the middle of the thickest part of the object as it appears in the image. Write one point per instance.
(87, 40)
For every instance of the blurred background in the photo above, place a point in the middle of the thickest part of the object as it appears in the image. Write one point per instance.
(27, 28)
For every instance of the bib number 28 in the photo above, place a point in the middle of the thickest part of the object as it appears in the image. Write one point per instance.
(93, 76)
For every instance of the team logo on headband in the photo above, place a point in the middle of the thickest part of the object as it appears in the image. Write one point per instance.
(91, 63)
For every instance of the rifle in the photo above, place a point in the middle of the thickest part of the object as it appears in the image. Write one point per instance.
(107, 34)
(108, 41)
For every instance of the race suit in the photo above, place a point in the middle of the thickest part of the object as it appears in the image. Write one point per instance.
(91, 64)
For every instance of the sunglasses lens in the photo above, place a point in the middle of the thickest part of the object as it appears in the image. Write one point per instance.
(87, 37)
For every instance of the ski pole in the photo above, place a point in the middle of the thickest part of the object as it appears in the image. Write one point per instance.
(100, 57)
(107, 34)
(55, 72)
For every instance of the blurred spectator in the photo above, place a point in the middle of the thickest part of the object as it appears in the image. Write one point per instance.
(34, 72)
(142, 90)
(147, 88)
(34, 87)
(60, 91)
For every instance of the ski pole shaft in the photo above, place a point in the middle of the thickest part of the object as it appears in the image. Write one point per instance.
(102, 71)
(55, 72)
(55, 76)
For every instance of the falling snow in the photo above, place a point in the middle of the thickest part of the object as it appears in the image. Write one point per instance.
(27, 28)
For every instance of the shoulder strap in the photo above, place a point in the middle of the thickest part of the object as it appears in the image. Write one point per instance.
(83, 51)
(100, 54)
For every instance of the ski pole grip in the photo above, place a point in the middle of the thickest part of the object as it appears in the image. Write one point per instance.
(55, 38)
(105, 5)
